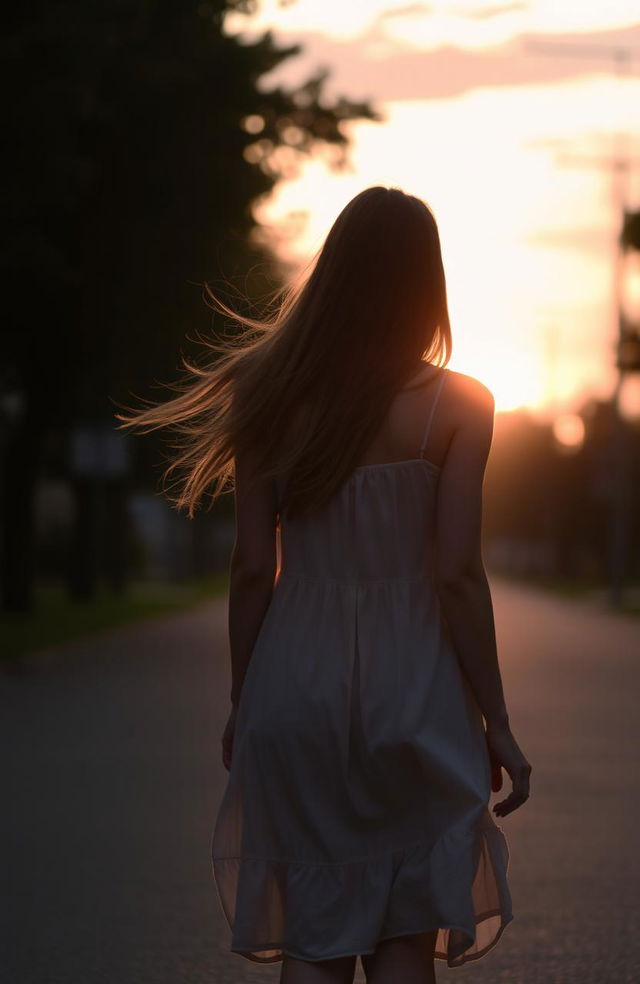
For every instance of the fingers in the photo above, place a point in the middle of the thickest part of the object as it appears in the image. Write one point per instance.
(518, 795)
(511, 803)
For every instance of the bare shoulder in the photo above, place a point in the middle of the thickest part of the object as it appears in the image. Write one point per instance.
(470, 393)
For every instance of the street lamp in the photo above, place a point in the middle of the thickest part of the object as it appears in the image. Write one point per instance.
(569, 432)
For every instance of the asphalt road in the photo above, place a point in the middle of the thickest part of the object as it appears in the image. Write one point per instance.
(111, 778)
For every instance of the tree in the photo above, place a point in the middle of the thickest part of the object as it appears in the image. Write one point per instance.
(141, 140)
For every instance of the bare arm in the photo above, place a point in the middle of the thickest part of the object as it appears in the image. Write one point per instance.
(463, 588)
(462, 583)
(252, 570)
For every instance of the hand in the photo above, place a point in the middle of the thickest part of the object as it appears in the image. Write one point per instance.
(227, 738)
(505, 753)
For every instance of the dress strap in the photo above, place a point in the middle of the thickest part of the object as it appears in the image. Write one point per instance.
(427, 429)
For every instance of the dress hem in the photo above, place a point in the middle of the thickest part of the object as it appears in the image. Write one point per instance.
(249, 952)
(458, 951)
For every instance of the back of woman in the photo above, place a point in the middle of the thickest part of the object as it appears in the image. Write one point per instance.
(368, 723)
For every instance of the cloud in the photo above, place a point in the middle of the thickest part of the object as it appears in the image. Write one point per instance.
(410, 73)
(590, 239)
(410, 10)
(495, 10)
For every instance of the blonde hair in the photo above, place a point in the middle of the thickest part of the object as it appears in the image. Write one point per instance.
(306, 388)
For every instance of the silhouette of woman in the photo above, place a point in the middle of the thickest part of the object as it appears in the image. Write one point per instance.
(368, 723)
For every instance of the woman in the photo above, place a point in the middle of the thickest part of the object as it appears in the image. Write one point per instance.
(368, 724)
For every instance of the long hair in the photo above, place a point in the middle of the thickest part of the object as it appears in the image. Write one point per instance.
(305, 390)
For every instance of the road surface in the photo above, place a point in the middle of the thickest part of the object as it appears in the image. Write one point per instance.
(112, 775)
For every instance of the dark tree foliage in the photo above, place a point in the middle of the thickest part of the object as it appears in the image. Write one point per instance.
(133, 177)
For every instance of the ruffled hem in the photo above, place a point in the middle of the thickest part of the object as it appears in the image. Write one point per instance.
(323, 911)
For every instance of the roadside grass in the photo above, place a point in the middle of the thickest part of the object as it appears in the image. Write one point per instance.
(57, 619)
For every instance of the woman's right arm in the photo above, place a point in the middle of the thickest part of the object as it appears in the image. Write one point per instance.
(462, 585)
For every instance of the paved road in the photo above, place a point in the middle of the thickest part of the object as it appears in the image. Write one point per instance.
(111, 779)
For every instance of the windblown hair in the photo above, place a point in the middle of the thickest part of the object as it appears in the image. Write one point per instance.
(305, 390)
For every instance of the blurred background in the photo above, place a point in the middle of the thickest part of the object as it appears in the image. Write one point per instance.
(153, 146)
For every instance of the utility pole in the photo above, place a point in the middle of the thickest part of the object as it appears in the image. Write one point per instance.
(627, 342)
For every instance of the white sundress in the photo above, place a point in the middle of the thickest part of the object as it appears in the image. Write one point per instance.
(356, 807)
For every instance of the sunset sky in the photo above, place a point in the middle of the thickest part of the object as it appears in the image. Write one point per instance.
(475, 123)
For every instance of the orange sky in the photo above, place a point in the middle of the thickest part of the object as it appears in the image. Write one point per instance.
(475, 121)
